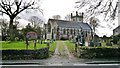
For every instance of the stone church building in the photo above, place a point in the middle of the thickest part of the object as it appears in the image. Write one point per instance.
(62, 29)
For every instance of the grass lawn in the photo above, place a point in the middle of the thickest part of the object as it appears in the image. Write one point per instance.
(71, 46)
(20, 45)
(52, 46)
(113, 46)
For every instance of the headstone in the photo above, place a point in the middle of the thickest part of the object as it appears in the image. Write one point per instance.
(48, 43)
(45, 42)
(91, 44)
(75, 47)
(86, 43)
(81, 44)
(34, 44)
(39, 39)
(98, 44)
(109, 44)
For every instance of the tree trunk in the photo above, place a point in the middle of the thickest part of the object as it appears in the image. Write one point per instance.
(11, 32)
(94, 33)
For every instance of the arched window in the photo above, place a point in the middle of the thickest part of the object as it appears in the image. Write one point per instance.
(71, 31)
(64, 31)
(73, 19)
(74, 32)
(67, 31)
(49, 27)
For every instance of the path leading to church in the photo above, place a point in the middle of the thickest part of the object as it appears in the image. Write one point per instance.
(61, 55)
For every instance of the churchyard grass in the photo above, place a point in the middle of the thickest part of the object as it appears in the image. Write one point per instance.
(52, 46)
(20, 45)
(70, 45)
(113, 45)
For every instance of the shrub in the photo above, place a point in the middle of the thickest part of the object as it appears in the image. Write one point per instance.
(115, 40)
(5, 38)
(118, 43)
(98, 52)
(109, 44)
(25, 54)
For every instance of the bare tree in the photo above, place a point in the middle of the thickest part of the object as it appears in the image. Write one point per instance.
(94, 23)
(58, 17)
(14, 7)
(109, 8)
(68, 17)
(4, 26)
(36, 21)
(15, 22)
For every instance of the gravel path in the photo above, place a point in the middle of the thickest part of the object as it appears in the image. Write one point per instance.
(70, 56)
(56, 50)
(61, 57)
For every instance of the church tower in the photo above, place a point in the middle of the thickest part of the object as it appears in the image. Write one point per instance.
(77, 17)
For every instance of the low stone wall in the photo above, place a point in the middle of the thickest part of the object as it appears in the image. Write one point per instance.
(93, 52)
(25, 54)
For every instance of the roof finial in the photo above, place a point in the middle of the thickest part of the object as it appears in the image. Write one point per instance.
(82, 14)
(71, 15)
(76, 13)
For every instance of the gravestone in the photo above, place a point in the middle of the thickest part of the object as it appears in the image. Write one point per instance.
(108, 44)
(91, 44)
(98, 44)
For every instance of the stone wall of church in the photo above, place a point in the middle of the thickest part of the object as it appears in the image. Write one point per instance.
(68, 33)
(52, 26)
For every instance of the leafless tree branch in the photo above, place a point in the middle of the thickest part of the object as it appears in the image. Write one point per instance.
(96, 7)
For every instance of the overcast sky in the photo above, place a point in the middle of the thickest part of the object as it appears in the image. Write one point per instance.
(57, 7)
(64, 7)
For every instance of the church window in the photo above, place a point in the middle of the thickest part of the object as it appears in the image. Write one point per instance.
(64, 31)
(73, 19)
(79, 19)
(67, 31)
(71, 31)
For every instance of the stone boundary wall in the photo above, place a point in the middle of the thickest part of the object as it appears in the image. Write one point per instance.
(25, 54)
(92, 52)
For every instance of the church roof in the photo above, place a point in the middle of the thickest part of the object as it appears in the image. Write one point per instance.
(117, 27)
(72, 24)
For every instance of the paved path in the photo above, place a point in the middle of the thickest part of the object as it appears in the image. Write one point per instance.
(68, 54)
(61, 55)
(56, 50)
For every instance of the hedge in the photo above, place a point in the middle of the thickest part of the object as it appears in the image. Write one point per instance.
(25, 54)
(94, 52)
